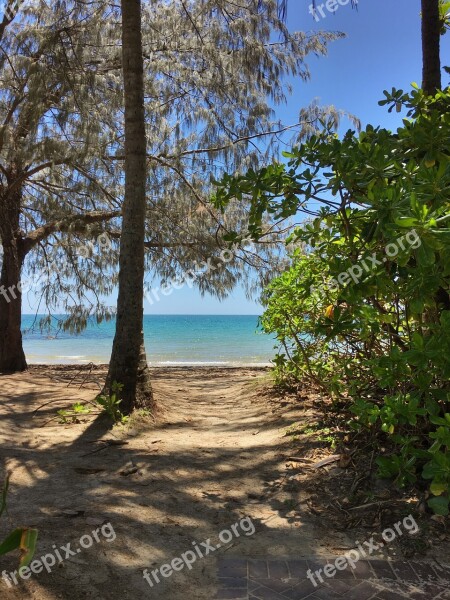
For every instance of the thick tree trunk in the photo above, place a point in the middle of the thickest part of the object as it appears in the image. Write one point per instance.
(12, 357)
(128, 364)
(431, 41)
(432, 81)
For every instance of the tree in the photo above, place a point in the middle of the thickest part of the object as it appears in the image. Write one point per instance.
(60, 75)
(359, 313)
(203, 119)
(431, 40)
(364, 310)
(188, 58)
(128, 365)
(47, 182)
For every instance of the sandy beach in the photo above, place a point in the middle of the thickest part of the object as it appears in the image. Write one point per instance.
(218, 453)
(203, 466)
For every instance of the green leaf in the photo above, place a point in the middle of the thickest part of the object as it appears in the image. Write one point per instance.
(439, 505)
(22, 539)
(425, 255)
(418, 341)
(28, 546)
(416, 306)
(12, 542)
(406, 222)
(438, 488)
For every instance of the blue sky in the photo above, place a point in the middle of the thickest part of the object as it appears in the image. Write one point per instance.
(382, 50)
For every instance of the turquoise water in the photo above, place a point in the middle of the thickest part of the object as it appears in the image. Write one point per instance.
(170, 340)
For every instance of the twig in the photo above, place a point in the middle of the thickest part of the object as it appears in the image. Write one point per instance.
(379, 503)
(46, 404)
(108, 444)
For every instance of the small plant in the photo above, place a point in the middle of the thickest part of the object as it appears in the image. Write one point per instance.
(103, 403)
(110, 404)
(320, 433)
(22, 538)
(72, 414)
(294, 430)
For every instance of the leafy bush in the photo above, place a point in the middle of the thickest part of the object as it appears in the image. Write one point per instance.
(364, 310)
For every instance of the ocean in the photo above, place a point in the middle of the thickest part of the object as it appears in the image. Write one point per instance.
(170, 340)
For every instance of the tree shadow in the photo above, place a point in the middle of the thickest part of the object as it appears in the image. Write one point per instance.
(158, 497)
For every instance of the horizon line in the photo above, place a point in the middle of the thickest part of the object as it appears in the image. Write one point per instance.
(164, 314)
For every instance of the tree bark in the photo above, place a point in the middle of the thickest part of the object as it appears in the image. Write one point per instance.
(431, 46)
(12, 356)
(128, 364)
(432, 82)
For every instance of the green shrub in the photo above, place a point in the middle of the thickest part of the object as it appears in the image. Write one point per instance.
(364, 310)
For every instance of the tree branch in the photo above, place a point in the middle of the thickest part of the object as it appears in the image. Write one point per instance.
(217, 148)
(74, 223)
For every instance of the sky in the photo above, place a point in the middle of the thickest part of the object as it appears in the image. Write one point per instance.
(382, 49)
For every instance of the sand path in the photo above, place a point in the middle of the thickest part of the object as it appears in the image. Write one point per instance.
(213, 458)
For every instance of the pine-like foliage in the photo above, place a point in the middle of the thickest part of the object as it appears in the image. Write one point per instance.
(215, 70)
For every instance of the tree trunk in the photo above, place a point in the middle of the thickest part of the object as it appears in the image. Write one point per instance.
(431, 41)
(12, 357)
(128, 364)
(432, 82)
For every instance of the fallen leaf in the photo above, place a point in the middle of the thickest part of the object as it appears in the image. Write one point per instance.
(345, 461)
(129, 471)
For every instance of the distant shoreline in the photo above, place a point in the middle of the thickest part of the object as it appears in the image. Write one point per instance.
(165, 315)
(103, 366)
(171, 341)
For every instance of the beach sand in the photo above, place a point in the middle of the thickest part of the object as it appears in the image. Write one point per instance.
(205, 464)
(217, 453)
